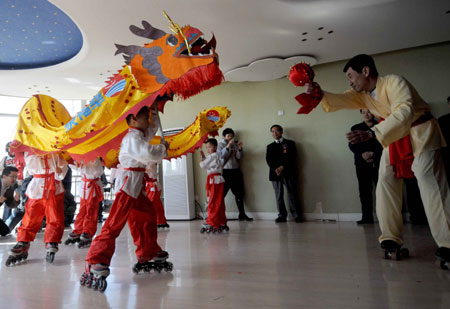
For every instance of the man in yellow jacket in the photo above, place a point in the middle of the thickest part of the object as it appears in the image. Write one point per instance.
(406, 120)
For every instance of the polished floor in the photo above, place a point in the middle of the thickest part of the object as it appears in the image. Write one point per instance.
(257, 264)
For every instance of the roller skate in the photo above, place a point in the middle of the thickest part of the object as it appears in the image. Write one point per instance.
(85, 241)
(158, 263)
(210, 229)
(72, 239)
(51, 248)
(18, 253)
(443, 256)
(94, 276)
(224, 228)
(393, 250)
(163, 226)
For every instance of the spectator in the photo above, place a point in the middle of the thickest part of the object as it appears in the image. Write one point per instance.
(444, 123)
(19, 212)
(281, 156)
(8, 193)
(367, 160)
(9, 160)
(231, 152)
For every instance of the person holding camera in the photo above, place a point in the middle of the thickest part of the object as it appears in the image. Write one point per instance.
(231, 152)
(8, 193)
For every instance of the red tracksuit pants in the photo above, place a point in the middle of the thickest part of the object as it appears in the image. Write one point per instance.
(35, 210)
(142, 223)
(155, 198)
(216, 206)
(86, 221)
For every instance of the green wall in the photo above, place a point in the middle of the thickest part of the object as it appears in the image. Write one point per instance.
(326, 170)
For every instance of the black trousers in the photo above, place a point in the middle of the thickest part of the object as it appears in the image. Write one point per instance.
(413, 202)
(235, 181)
(4, 229)
(367, 180)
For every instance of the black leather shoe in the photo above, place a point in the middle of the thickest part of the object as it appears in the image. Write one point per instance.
(299, 219)
(280, 219)
(244, 217)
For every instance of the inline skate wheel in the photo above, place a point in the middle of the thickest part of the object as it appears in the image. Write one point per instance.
(169, 267)
(135, 270)
(83, 279)
(50, 257)
(102, 285)
(10, 260)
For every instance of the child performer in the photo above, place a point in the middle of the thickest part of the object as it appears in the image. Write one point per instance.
(46, 198)
(92, 194)
(131, 204)
(153, 190)
(216, 221)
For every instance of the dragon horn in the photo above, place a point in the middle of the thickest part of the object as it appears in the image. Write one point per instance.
(148, 32)
(177, 29)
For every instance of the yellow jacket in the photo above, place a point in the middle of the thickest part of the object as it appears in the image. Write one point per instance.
(400, 105)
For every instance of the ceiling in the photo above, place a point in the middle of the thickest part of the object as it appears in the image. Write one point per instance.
(246, 31)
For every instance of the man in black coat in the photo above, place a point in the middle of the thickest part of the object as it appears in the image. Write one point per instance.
(367, 161)
(8, 193)
(281, 156)
(444, 123)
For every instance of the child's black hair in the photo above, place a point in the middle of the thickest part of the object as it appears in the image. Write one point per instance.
(213, 141)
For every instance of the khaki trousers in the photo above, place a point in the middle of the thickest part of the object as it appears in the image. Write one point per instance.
(430, 173)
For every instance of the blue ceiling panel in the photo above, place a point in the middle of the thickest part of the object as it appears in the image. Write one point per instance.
(35, 34)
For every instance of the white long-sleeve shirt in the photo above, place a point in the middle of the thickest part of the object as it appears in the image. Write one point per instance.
(92, 170)
(38, 165)
(213, 165)
(136, 152)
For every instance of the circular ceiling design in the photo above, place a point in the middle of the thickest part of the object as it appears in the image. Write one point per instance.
(36, 34)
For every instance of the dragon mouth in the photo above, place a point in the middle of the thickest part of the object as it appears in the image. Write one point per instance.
(200, 48)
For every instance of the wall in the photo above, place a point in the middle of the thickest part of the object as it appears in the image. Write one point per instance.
(326, 170)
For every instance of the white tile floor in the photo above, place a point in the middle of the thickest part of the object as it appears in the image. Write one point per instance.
(257, 264)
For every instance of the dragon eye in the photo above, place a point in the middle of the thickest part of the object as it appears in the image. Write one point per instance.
(172, 40)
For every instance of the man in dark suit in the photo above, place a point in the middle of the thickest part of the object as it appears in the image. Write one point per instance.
(281, 156)
(8, 193)
(444, 123)
(367, 161)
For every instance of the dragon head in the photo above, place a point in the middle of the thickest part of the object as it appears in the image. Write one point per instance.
(181, 63)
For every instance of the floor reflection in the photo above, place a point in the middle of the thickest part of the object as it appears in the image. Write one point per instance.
(255, 264)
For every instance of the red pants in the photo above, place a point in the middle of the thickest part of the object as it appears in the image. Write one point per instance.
(155, 198)
(35, 210)
(86, 221)
(142, 222)
(216, 206)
